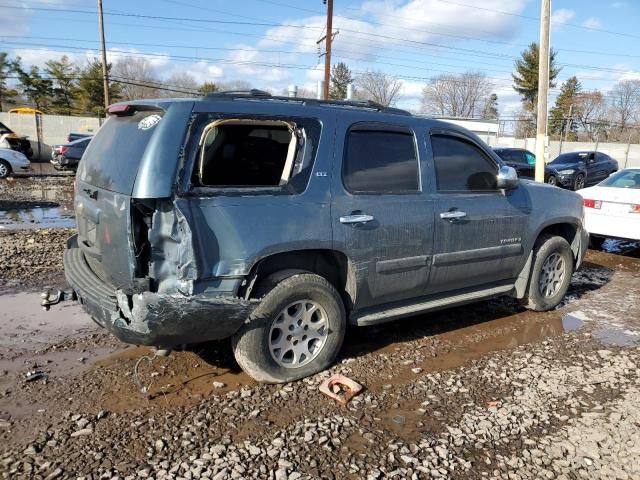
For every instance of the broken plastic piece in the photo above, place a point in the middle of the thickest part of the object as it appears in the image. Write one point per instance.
(340, 388)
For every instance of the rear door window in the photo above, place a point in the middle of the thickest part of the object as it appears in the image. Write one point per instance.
(113, 156)
(380, 161)
(255, 154)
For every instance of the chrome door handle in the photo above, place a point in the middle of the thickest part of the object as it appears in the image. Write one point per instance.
(359, 218)
(456, 214)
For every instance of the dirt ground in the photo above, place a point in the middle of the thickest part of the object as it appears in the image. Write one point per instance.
(488, 390)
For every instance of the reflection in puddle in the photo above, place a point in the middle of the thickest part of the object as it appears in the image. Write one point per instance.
(628, 247)
(37, 217)
(608, 332)
(571, 323)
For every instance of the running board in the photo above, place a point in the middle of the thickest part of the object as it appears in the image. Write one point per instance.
(365, 318)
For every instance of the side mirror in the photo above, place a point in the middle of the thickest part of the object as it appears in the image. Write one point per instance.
(507, 178)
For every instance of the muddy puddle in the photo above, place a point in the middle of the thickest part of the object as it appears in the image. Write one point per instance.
(182, 378)
(37, 217)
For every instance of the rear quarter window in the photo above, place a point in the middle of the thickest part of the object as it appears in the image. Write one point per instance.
(113, 156)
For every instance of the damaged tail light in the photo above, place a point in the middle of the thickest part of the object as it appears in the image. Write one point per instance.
(589, 203)
(62, 150)
(634, 208)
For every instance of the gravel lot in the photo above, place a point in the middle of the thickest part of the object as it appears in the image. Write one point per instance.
(483, 391)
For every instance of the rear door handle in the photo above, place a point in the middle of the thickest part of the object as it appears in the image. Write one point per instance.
(359, 218)
(456, 214)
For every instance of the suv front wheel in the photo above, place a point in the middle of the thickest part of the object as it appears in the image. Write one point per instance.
(550, 273)
(296, 331)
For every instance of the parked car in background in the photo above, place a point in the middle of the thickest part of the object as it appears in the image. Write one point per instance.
(525, 164)
(612, 208)
(67, 157)
(77, 136)
(10, 139)
(577, 170)
(12, 161)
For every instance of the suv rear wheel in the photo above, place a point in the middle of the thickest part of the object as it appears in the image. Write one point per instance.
(550, 273)
(296, 331)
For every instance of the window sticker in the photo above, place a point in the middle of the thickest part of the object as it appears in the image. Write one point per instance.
(149, 122)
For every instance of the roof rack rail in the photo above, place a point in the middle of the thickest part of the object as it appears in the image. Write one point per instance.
(262, 94)
(254, 92)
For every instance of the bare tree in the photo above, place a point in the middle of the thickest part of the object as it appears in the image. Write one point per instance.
(590, 112)
(464, 95)
(235, 85)
(625, 103)
(184, 84)
(136, 77)
(378, 87)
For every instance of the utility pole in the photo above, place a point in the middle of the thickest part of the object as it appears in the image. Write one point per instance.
(105, 74)
(543, 88)
(327, 54)
(567, 127)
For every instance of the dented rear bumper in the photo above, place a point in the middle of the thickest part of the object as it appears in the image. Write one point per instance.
(151, 318)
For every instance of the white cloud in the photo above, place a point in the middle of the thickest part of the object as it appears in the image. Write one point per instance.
(388, 24)
(592, 22)
(618, 4)
(560, 17)
(630, 75)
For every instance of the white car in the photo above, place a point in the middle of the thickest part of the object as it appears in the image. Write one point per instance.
(612, 207)
(12, 161)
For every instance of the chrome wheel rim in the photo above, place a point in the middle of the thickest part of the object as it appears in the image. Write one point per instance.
(579, 182)
(552, 275)
(4, 171)
(298, 334)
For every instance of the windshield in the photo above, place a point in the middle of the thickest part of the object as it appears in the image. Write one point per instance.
(113, 156)
(623, 179)
(571, 158)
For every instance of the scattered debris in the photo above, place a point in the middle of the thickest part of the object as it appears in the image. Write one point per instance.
(82, 432)
(217, 384)
(33, 375)
(399, 420)
(340, 388)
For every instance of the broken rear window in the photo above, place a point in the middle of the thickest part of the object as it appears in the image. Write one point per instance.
(249, 154)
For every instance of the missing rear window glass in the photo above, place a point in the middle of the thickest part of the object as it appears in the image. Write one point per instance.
(236, 153)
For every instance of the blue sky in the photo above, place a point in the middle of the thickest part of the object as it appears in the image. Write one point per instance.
(272, 43)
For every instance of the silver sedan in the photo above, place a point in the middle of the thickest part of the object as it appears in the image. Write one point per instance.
(12, 161)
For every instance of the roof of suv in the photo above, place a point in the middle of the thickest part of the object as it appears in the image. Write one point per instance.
(265, 97)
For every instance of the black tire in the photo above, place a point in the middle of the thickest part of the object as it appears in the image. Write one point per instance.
(552, 180)
(595, 243)
(6, 170)
(251, 345)
(547, 246)
(578, 182)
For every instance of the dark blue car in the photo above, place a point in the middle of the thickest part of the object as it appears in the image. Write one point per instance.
(577, 170)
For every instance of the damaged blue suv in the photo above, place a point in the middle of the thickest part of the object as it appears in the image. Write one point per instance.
(276, 221)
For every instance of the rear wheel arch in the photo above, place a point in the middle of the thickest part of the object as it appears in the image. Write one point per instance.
(332, 265)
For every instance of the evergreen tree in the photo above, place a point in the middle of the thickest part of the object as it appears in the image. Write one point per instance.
(92, 91)
(525, 80)
(208, 87)
(560, 112)
(7, 67)
(490, 111)
(340, 78)
(34, 86)
(65, 89)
